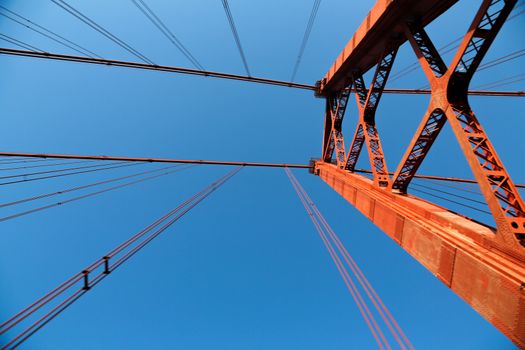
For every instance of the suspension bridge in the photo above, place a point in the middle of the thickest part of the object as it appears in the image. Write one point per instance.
(468, 232)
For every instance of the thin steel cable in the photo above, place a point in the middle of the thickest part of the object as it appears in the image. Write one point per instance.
(235, 35)
(47, 33)
(91, 194)
(497, 61)
(385, 314)
(501, 82)
(450, 194)
(9, 160)
(493, 63)
(157, 22)
(24, 313)
(76, 13)
(2, 159)
(57, 170)
(68, 174)
(82, 187)
(454, 186)
(20, 43)
(43, 165)
(133, 251)
(352, 288)
(175, 215)
(306, 36)
(452, 201)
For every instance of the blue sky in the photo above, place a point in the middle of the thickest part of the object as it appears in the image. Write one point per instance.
(245, 269)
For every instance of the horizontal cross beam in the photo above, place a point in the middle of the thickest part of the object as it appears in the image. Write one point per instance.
(154, 160)
(180, 70)
(206, 162)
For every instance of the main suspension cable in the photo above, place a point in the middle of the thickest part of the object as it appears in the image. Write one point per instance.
(82, 282)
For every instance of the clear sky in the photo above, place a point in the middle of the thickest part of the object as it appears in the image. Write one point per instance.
(245, 269)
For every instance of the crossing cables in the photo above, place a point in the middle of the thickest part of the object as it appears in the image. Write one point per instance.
(75, 287)
(337, 250)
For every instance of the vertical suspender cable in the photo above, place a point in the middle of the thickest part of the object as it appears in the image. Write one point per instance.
(356, 295)
(235, 35)
(320, 223)
(306, 36)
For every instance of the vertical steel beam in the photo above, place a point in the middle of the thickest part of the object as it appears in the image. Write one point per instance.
(336, 107)
(366, 131)
(327, 134)
(328, 141)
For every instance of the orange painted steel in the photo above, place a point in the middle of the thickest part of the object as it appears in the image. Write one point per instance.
(485, 266)
(449, 102)
(386, 20)
(463, 254)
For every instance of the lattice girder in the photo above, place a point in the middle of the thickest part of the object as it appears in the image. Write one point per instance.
(366, 131)
(449, 96)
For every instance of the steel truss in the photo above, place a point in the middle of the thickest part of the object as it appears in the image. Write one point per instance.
(485, 267)
(366, 131)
